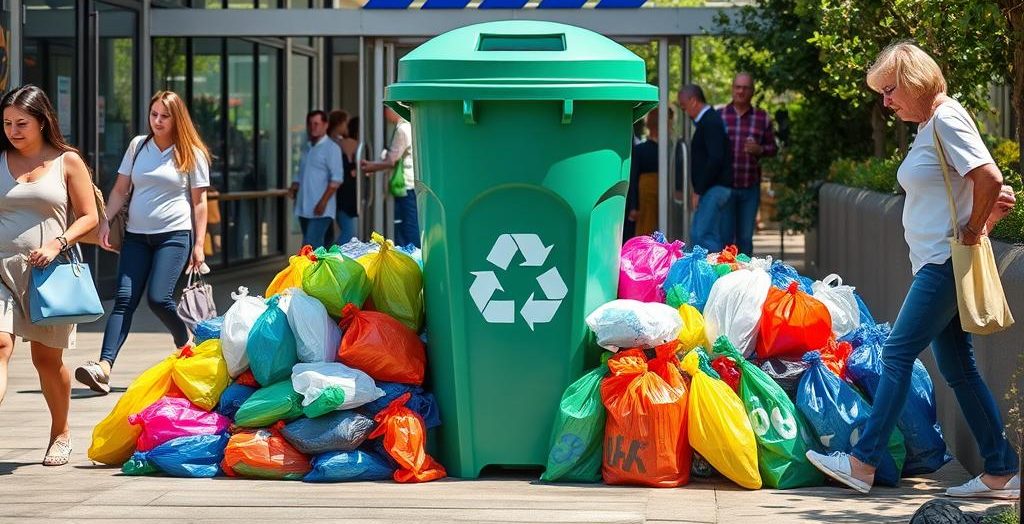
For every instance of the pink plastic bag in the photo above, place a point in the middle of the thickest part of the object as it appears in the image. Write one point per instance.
(173, 417)
(644, 264)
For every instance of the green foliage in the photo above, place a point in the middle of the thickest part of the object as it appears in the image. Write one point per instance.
(876, 174)
(1010, 515)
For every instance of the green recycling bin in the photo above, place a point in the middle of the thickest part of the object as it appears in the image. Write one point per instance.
(522, 134)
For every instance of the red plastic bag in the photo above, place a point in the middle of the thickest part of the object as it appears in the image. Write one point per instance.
(645, 432)
(792, 323)
(643, 265)
(834, 356)
(247, 379)
(264, 454)
(728, 372)
(381, 347)
(405, 439)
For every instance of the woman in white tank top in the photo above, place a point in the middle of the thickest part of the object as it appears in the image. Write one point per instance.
(40, 177)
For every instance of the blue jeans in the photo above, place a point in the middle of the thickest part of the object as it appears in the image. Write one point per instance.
(929, 314)
(744, 204)
(159, 261)
(407, 225)
(712, 225)
(317, 232)
(347, 224)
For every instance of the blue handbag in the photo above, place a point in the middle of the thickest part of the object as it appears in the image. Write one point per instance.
(64, 293)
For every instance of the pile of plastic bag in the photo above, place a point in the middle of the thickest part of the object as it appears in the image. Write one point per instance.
(321, 381)
(727, 363)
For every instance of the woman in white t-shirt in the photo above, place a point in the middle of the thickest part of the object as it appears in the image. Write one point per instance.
(912, 85)
(157, 171)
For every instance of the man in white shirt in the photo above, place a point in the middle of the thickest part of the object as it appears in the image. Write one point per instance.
(317, 180)
(407, 229)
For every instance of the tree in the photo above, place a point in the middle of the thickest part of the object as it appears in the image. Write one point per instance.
(1013, 12)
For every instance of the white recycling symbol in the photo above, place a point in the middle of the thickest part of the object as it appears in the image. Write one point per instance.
(486, 283)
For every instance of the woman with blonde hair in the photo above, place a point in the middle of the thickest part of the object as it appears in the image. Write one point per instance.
(43, 178)
(912, 85)
(166, 175)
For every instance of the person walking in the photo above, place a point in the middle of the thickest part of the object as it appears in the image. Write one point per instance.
(316, 182)
(750, 139)
(642, 197)
(912, 85)
(42, 179)
(345, 132)
(166, 175)
(407, 229)
(710, 173)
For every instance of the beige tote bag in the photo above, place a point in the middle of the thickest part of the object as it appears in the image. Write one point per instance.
(979, 292)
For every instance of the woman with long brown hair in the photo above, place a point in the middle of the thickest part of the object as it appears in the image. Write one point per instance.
(42, 177)
(166, 174)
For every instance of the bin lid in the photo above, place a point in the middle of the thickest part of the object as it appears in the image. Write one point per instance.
(522, 60)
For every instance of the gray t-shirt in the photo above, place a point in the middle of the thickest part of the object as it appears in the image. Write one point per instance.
(160, 203)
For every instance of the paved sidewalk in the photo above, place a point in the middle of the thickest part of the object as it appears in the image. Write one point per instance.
(81, 491)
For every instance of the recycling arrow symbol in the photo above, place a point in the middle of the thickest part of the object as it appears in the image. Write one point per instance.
(534, 310)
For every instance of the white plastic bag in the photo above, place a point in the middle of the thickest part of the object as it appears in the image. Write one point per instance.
(841, 303)
(734, 307)
(625, 323)
(311, 379)
(238, 321)
(317, 337)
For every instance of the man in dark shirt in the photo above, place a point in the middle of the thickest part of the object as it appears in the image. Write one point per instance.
(710, 172)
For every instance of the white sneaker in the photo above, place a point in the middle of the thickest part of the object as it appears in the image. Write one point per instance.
(92, 375)
(837, 466)
(976, 488)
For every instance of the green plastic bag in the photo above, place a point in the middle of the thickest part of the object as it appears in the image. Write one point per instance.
(270, 404)
(330, 400)
(782, 436)
(335, 280)
(396, 283)
(271, 346)
(578, 434)
(138, 466)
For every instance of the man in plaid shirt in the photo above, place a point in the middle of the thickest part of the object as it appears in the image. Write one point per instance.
(751, 138)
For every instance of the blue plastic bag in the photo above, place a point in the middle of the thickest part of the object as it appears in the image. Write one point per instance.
(196, 456)
(690, 279)
(783, 274)
(232, 398)
(348, 466)
(336, 431)
(208, 329)
(837, 414)
(271, 346)
(421, 402)
(926, 448)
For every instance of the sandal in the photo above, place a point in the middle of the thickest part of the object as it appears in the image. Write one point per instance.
(59, 452)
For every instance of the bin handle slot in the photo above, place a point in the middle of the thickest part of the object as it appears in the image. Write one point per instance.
(469, 111)
(566, 111)
(496, 42)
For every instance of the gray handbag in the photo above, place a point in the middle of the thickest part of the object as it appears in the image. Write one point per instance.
(196, 303)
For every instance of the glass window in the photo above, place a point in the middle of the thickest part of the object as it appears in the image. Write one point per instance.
(50, 58)
(241, 160)
(5, 37)
(268, 4)
(207, 101)
(169, 73)
(241, 4)
(208, 4)
(116, 101)
(268, 164)
(301, 103)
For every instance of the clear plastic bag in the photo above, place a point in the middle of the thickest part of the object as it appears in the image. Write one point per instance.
(317, 336)
(238, 322)
(327, 387)
(623, 324)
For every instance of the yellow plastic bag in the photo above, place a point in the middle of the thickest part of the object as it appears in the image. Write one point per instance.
(692, 335)
(718, 426)
(291, 276)
(397, 283)
(202, 374)
(113, 439)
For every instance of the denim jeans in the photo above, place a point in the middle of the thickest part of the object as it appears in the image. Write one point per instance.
(157, 260)
(317, 232)
(347, 225)
(407, 225)
(929, 314)
(744, 204)
(712, 226)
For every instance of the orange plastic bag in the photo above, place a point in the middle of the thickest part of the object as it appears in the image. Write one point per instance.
(645, 432)
(835, 354)
(264, 454)
(792, 323)
(247, 379)
(405, 439)
(381, 347)
(291, 276)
